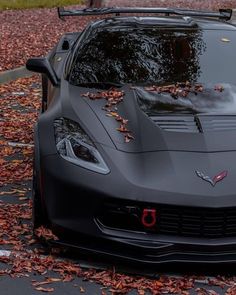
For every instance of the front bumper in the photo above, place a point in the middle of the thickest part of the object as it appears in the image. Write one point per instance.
(74, 198)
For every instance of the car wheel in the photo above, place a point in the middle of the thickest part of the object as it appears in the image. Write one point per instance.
(38, 213)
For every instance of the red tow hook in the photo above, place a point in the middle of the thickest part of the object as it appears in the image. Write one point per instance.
(149, 217)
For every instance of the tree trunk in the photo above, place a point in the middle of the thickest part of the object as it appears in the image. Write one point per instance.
(94, 3)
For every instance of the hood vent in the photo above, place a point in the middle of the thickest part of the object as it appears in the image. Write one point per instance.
(195, 124)
(218, 123)
(177, 123)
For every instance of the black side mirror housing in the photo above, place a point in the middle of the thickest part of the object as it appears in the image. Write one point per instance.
(42, 65)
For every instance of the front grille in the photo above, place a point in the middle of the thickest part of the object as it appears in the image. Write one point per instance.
(195, 124)
(172, 220)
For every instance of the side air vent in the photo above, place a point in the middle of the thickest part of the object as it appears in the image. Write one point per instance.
(65, 45)
(195, 124)
(177, 123)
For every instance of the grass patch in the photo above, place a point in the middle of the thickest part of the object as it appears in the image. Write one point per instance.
(22, 4)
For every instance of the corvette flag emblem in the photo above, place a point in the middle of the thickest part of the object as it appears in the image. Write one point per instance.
(213, 180)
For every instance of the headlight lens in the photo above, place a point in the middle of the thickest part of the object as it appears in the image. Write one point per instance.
(75, 146)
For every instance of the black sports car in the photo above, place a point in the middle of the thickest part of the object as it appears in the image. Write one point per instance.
(135, 148)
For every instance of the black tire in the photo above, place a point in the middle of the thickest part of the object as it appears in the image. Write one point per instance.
(38, 213)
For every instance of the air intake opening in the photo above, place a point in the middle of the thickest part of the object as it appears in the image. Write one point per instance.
(65, 45)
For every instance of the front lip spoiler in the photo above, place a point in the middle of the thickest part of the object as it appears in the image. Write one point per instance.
(162, 255)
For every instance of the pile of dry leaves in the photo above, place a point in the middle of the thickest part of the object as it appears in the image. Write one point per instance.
(181, 89)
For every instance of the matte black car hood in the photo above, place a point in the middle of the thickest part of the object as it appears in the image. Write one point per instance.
(216, 133)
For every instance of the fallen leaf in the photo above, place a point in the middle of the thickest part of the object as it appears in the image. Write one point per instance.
(44, 289)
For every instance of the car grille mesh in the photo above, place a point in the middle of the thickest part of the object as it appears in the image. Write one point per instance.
(195, 124)
(208, 223)
(172, 220)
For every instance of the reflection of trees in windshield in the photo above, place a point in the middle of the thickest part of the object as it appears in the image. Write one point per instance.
(180, 56)
(140, 56)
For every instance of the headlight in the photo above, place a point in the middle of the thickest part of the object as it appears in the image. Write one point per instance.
(75, 146)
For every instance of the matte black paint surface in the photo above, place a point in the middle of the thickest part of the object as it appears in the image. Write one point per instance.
(157, 168)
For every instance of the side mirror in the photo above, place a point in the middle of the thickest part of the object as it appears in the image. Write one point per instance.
(43, 66)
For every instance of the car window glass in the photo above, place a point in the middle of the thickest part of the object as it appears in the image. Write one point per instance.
(156, 55)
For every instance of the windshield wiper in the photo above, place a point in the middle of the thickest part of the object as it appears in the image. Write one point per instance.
(100, 85)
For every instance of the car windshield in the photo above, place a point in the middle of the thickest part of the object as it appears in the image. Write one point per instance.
(151, 55)
(193, 70)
